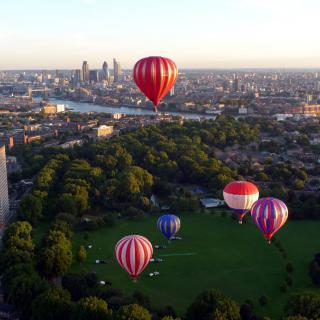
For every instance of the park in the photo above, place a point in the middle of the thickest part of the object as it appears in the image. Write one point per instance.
(215, 252)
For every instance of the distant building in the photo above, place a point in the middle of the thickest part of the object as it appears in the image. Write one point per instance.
(116, 70)
(243, 110)
(311, 109)
(71, 144)
(85, 71)
(33, 138)
(78, 76)
(211, 203)
(225, 86)
(282, 117)
(117, 116)
(14, 137)
(236, 85)
(94, 75)
(53, 108)
(4, 196)
(103, 131)
(105, 72)
(8, 312)
(12, 164)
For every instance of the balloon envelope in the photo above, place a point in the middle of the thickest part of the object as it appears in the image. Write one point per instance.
(169, 225)
(240, 196)
(155, 76)
(133, 253)
(269, 214)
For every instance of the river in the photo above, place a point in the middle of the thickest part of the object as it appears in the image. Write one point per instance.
(90, 107)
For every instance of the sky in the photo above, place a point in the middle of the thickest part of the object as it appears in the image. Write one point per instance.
(60, 34)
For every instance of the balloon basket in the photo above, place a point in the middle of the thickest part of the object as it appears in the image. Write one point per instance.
(134, 280)
(240, 221)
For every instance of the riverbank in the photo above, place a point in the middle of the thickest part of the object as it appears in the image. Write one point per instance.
(83, 107)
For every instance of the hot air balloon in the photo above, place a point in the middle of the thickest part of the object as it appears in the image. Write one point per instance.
(133, 253)
(269, 214)
(169, 225)
(155, 76)
(240, 196)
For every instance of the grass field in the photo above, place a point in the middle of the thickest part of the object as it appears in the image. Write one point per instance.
(215, 252)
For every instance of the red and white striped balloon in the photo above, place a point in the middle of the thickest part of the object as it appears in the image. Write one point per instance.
(155, 76)
(133, 253)
(240, 196)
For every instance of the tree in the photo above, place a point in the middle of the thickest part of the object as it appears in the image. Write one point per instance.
(246, 311)
(76, 284)
(55, 257)
(52, 304)
(141, 299)
(289, 281)
(24, 289)
(92, 308)
(44, 179)
(67, 203)
(63, 226)
(222, 180)
(18, 235)
(13, 271)
(42, 195)
(261, 176)
(314, 272)
(214, 305)
(161, 188)
(284, 287)
(129, 187)
(289, 267)
(263, 300)
(132, 312)
(91, 279)
(144, 177)
(306, 305)
(82, 254)
(30, 209)
(13, 256)
(298, 184)
(167, 311)
(80, 196)
(134, 182)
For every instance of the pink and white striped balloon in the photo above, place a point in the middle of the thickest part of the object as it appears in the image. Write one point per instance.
(133, 253)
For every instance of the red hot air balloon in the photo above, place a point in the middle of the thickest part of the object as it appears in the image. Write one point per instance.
(133, 254)
(240, 196)
(155, 76)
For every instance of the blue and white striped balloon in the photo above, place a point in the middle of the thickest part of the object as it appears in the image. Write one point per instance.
(169, 225)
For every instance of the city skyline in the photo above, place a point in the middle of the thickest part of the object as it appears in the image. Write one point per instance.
(202, 34)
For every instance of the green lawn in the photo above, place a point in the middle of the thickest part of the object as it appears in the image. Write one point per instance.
(216, 252)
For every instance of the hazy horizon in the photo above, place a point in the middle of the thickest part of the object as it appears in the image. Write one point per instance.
(203, 34)
(240, 69)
